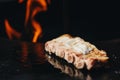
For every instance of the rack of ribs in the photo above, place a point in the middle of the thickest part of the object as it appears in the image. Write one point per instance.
(76, 51)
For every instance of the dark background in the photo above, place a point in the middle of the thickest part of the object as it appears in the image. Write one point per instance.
(90, 20)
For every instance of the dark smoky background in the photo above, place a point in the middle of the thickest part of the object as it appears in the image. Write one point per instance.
(92, 21)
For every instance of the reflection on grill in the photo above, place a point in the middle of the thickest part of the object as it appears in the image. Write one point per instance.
(67, 69)
(31, 53)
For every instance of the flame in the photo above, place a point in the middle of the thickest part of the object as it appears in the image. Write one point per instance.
(28, 4)
(42, 7)
(31, 11)
(38, 30)
(10, 31)
(36, 26)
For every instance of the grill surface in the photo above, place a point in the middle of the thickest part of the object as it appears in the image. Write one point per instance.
(26, 61)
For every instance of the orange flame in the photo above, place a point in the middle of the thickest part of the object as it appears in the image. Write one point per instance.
(11, 32)
(36, 26)
(38, 30)
(31, 11)
(28, 4)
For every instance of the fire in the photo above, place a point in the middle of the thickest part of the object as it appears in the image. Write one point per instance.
(31, 11)
(34, 10)
(38, 30)
(27, 11)
(10, 31)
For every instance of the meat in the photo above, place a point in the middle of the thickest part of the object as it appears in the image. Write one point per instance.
(76, 51)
